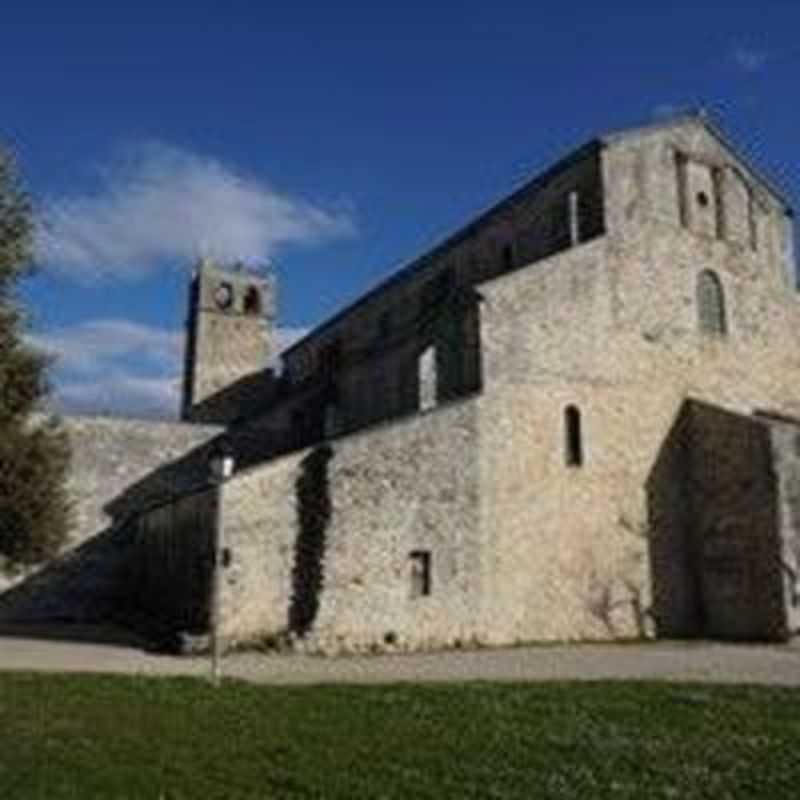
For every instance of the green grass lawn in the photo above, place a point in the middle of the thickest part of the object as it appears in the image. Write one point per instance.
(111, 737)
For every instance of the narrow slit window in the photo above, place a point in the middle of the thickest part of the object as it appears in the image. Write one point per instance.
(420, 567)
(718, 179)
(508, 257)
(573, 436)
(682, 169)
(427, 379)
(330, 419)
(574, 219)
(752, 219)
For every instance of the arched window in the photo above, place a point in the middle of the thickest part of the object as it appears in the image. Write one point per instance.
(252, 301)
(711, 303)
(573, 438)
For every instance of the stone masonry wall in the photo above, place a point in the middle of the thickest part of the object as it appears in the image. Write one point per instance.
(523, 544)
(611, 327)
(322, 539)
(380, 363)
(110, 455)
(735, 536)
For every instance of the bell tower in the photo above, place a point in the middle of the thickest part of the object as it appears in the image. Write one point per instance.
(229, 338)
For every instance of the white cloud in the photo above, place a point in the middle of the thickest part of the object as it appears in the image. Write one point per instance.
(121, 394)
(116, 366)
(158, 204)
(750, 59)
(89, 347)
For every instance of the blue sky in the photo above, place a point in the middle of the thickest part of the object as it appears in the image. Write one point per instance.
(334, 140)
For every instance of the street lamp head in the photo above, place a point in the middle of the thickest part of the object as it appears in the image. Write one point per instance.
(221, 459)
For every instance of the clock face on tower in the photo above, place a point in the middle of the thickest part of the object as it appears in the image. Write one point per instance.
(223, 295)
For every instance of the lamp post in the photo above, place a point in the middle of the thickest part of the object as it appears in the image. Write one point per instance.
(221, 463)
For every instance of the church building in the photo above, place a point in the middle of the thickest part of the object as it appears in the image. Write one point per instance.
(577, 418)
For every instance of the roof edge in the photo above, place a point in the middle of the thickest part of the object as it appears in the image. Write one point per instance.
(707, 120)
(420, 262)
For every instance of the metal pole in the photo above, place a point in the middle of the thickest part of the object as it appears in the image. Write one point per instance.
(216, 589)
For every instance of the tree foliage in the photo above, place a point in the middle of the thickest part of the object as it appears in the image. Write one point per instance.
(34, 453)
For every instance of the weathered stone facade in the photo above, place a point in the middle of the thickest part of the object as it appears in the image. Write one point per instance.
(572, 420)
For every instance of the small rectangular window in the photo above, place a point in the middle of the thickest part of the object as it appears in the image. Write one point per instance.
(752, 218)
(330, 419)
(574, 437)
(682, 171)
(420, 565)
(508, 256)
(718, 179)
(427, 379)
(574, 219)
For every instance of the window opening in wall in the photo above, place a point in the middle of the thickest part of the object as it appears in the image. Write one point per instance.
(252, 301)
(428, 379)
(702, 200)
(420, 567)
(573, 202)
(711, 303)
(752, 219)
(573, 436)
(223, 295)
(508, 256)
(330, 419)
(718, 180)
(681, 169)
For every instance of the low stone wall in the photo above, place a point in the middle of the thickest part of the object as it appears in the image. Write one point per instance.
(113, 457)
(118, 465)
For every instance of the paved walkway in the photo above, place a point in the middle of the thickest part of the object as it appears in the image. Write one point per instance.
(678, 661)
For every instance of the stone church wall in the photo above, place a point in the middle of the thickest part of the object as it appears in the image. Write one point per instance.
(382, 336)
(475, 520)
(326, 541)
(565, 546)
(611, 327)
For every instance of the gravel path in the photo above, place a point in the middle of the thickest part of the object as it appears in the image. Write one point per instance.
(679, 661)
